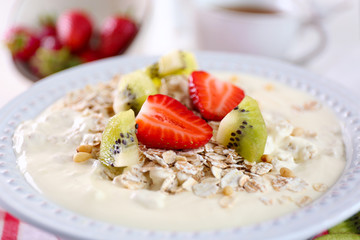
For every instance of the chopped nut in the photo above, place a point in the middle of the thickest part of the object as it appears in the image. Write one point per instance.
(266, 158)
(319, 187)
(297, 132)
(81, 157)
(84, 148)
(285, 172)
(228, 191)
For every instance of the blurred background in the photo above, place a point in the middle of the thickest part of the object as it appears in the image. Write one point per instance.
(320, 35)
(326, 30)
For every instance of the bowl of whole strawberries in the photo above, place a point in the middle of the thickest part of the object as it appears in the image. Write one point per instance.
(45, 37)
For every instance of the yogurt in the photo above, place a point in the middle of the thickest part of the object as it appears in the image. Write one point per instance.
(45, 146)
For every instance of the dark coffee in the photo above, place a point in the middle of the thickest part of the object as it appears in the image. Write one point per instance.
(252, 10)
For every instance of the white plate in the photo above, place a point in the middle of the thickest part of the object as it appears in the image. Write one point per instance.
(20, 199)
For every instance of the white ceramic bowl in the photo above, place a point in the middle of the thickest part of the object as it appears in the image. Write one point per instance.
(339, 202)
(27, 13)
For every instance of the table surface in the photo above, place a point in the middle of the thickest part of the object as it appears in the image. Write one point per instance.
(339, 62)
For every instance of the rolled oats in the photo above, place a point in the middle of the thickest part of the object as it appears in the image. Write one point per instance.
(169, 157)
(205, 189)
(320, 187)
(243, 179)
(132, 179)
(231, 179)
(216, 172)
(186, 167)
(303, 201)
(226, 201)
(215, 156)
(267, 201)
(189, 183)
(170, 184)
(292, 184)
(261, 168)
(251, 186)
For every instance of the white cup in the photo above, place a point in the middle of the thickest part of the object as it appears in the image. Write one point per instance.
(220, 27)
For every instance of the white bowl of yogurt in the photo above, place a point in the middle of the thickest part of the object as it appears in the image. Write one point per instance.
(325, 161)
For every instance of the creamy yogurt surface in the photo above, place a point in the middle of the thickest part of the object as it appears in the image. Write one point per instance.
(45, 147)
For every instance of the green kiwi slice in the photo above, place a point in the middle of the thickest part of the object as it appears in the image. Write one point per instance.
(244, 130)
(340, 236)
(173, 63)
(133, 89)
(351, 225)
(119, 145)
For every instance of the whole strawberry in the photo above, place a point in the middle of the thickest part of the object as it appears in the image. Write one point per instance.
(116, 35)
(22, 43)
(88, 55)
(51, 57)
(74, 29)
(48, 61)
(47, 26)
(51, 42)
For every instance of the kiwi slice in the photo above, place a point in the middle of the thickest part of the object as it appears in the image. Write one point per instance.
(153, 72)
(244, 130)
(351, 225)
(133, 89)
(340, 236)
(174, 63)
(119, 145)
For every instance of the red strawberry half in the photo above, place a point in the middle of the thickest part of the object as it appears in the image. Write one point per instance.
(212, 97)
(163, 122)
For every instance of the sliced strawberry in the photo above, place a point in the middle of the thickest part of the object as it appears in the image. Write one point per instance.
(212, 97)
(163, 122)
(321, 234)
